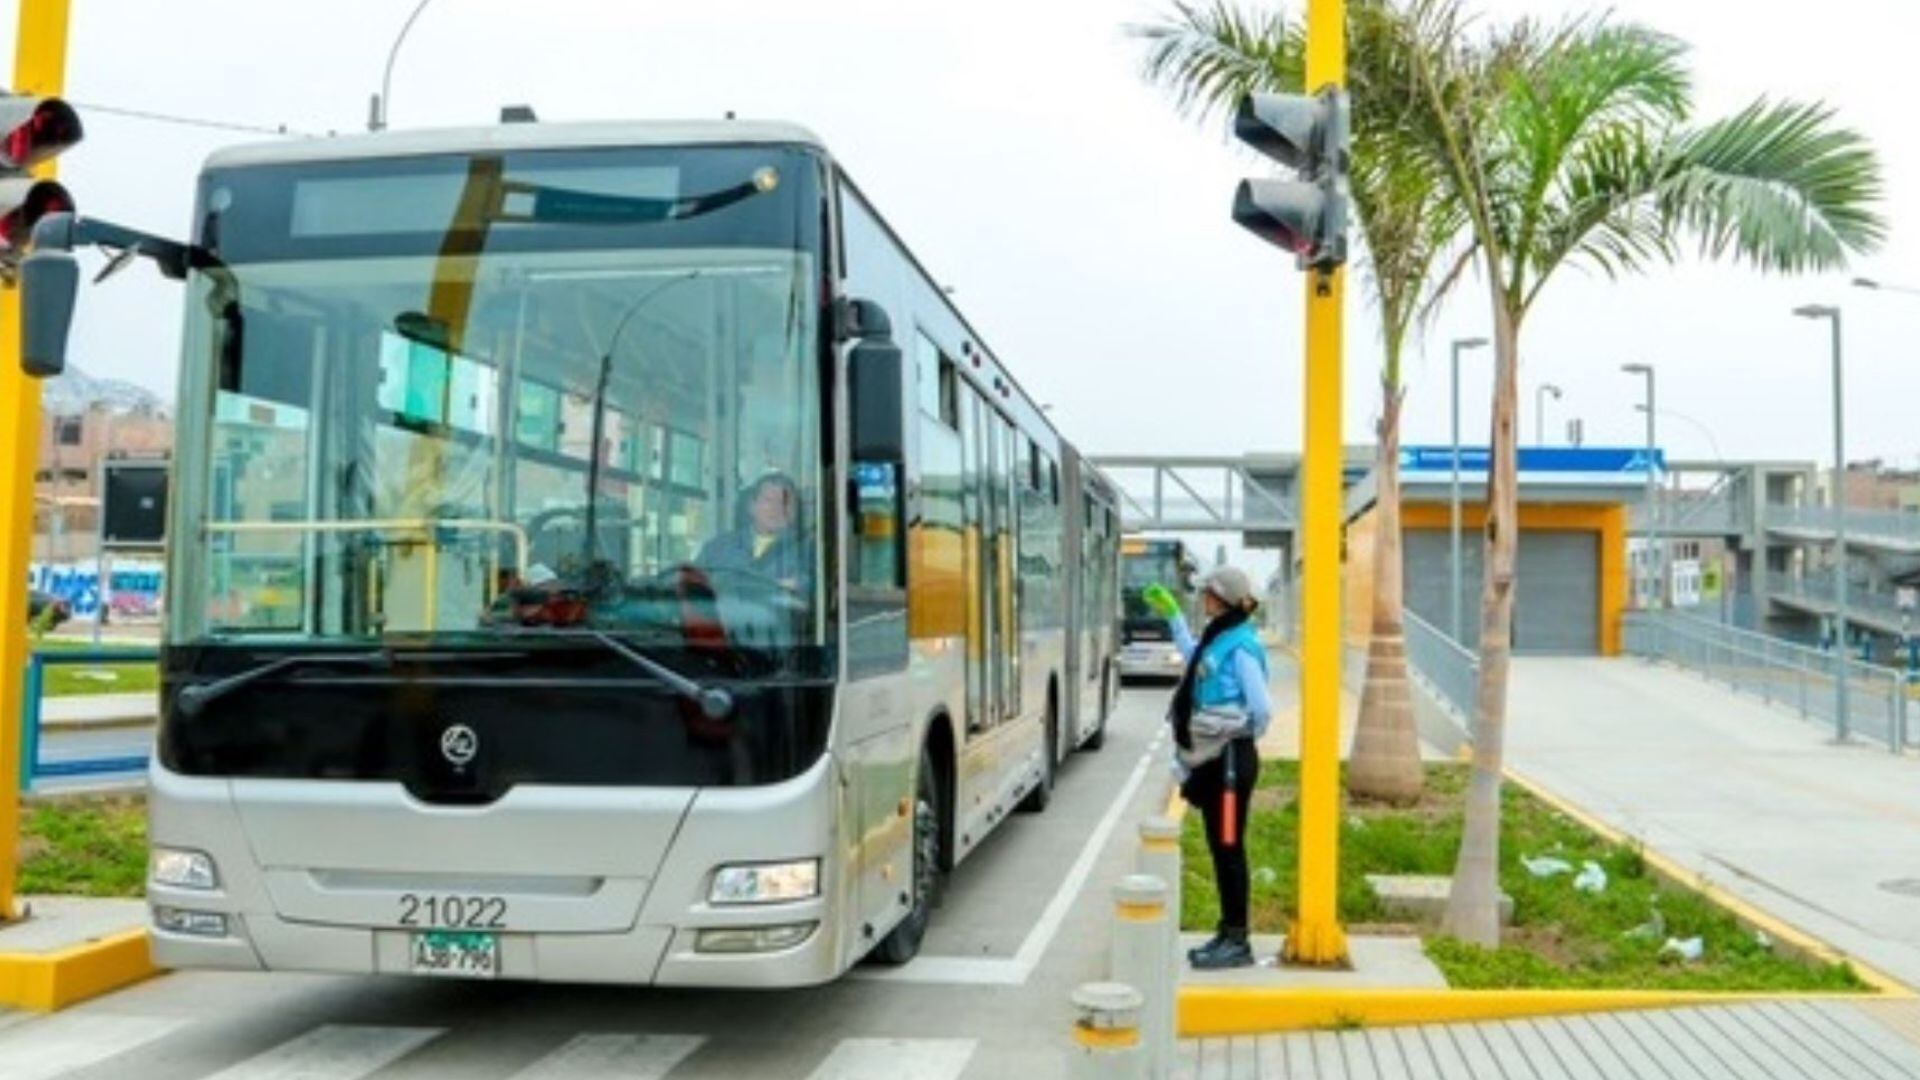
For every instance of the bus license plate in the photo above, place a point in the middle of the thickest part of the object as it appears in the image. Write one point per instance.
(457, 954)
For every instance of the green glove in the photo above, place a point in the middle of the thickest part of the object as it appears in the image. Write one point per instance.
(1161, 601)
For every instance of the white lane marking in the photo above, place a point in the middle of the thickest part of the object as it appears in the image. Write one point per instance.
(1014, 971)
(37, 1049)
(896, 1059)
(613, 1057)
(332, 1052)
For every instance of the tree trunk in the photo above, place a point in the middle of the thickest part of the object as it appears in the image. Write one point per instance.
(1473, 908)
(1385, 762)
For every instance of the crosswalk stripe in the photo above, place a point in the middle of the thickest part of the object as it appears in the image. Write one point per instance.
(613, 1057)
(332, 1052)
(37, 1049)
(896, 1059)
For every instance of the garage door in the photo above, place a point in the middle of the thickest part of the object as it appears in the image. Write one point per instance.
(1558, 609)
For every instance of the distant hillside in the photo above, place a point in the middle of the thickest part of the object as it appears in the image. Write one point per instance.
(74, 391)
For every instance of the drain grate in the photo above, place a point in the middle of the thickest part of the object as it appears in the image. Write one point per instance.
(1905, 886)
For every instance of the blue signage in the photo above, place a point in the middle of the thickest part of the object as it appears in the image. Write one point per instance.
(1547, 464)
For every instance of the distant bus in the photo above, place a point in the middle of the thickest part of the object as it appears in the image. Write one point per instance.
(598, 553)
(1147, 649)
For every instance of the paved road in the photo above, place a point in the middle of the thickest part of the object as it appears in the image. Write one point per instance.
(1825, 836)
(988, 999)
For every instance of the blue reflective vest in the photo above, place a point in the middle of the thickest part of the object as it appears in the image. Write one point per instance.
(1217, 680)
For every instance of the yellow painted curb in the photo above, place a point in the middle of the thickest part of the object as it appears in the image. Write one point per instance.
(1245, 1010)
(44, 982)
(1794, 937)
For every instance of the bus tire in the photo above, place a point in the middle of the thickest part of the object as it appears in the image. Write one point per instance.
(1041, 796)
(903, 942)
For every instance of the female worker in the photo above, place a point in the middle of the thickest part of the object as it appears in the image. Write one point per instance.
(1219, 711)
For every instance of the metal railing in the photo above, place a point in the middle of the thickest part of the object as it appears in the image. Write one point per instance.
(1877, 607)
(1196, 494)
(1778, 672)
(1894, 527)
(32, 766)
(1449, 668)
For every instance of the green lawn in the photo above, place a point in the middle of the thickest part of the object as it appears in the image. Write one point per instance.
(65, 680)
(1560, 938)
(84, 846)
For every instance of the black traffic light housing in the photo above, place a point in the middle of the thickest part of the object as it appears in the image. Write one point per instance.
(1309, 134)
(32, 130)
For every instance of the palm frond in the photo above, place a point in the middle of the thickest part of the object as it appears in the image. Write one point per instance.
(1210, 56)
(1777, 185)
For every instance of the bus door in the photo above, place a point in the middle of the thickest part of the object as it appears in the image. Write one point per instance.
(977, 558)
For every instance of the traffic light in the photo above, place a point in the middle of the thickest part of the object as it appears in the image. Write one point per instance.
(32, 130)
(1309, 134)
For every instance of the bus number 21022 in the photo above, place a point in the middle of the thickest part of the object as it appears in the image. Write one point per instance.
(454, 912)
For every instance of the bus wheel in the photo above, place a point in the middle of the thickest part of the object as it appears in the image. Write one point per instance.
(1042, 794)
(903, 943)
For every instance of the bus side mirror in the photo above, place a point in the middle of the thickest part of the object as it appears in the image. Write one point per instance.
(49, 286)
(876, 389)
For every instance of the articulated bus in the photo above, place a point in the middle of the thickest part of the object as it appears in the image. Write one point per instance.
(598, 553)
(1146, 645)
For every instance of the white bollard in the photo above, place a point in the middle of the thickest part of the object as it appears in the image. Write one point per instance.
(1160, 857)
(1106, 1033)
(1141, 959)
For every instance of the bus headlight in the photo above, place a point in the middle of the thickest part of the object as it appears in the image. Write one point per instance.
(184, 869)
(196, 923)
(766, 883)
(752, 939)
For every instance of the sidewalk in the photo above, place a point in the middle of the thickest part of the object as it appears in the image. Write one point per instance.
(1778, 1040)
(1825, 837)
(100, 710)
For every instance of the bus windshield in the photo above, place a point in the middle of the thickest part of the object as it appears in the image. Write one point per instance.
(475, 395)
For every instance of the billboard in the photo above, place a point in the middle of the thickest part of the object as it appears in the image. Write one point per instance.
(1562, 465)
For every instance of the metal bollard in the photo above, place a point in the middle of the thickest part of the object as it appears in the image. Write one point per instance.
(1106, 1033)
(1141, 958)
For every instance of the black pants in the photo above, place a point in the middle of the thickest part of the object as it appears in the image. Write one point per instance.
(1204, 790)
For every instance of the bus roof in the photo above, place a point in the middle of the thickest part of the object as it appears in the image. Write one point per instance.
(510, 137)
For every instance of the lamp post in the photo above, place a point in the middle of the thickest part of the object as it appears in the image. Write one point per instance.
(1839, 497)
(1453, 593)
(381, 102)
(1540, 411)
(1656, 555)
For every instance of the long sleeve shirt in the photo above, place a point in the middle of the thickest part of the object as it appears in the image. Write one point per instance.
(1253, 681)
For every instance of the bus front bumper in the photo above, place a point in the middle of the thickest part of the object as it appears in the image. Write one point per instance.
(1151, 659)
(657, 929)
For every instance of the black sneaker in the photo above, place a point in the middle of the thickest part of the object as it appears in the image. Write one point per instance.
(1225, 951)
(1211, 944)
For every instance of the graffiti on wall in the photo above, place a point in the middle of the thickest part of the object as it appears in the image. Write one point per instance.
(133, 589)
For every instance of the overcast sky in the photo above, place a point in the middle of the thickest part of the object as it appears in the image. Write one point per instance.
(1082, 223)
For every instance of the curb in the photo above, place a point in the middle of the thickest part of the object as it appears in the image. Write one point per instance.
(1236, 1010)
(44, 982)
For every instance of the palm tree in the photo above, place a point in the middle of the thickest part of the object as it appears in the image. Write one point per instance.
(1209, 58)
(1573, 145)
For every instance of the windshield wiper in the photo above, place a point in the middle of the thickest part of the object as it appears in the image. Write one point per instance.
(192, 700)
(714, 702)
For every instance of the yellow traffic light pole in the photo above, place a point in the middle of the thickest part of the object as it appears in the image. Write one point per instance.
(40, 68)
(1316, 936)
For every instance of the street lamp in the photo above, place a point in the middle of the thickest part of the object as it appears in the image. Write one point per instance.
(1656, 555)
(1453, 595)
(381, 102)
(1881, 286)
(1832, 315)
(1540, 411)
